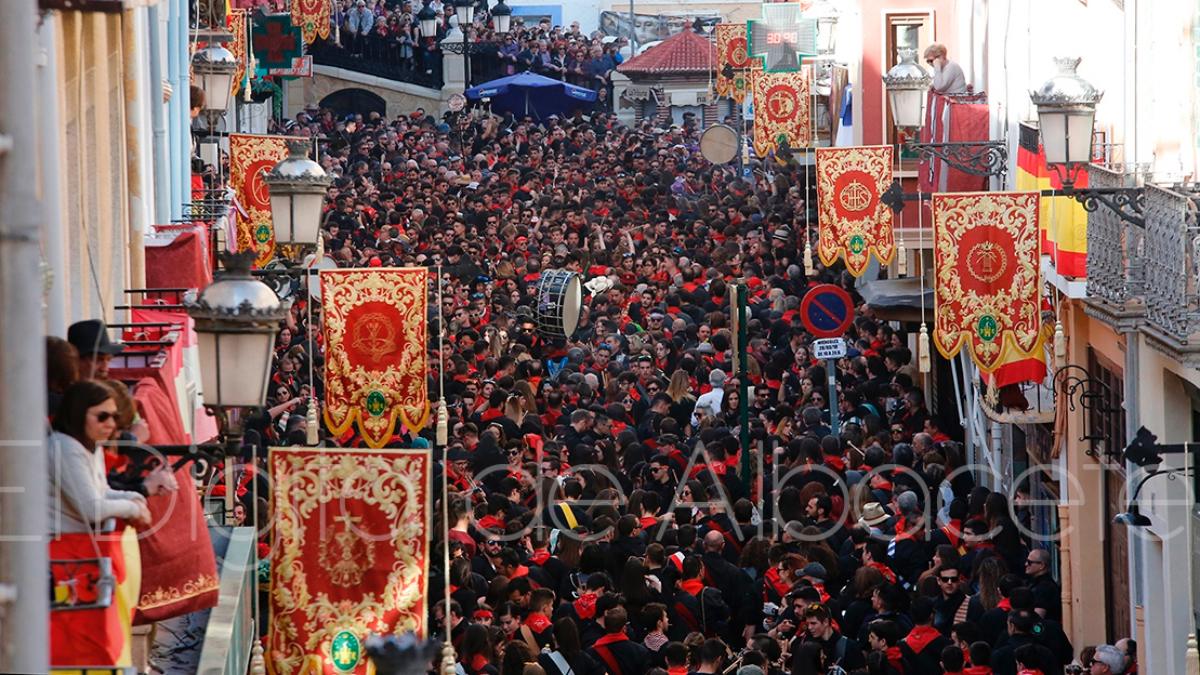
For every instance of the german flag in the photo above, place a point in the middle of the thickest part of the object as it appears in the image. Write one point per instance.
(1063, 220)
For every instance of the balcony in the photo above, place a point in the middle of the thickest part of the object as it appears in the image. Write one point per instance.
(1148, 278)
(1115, 263)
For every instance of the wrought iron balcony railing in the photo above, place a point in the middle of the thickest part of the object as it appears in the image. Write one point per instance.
(1172, 260)
(1116, 270)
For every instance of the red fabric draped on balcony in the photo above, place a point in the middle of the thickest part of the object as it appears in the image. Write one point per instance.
(182, 262)
(953, 119)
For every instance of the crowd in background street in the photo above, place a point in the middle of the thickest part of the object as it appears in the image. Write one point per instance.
(599, 517)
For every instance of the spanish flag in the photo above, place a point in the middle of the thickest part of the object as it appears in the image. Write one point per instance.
(1063, 220)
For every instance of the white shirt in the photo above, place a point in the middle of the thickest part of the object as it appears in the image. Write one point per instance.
(711, 400)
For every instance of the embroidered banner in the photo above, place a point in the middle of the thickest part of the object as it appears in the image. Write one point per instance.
(350, 556)
(732, 61)
(375, 324)
(251, 156)
(236, 21)
(853, 223)
(988, 279)
(312, 16)
(781, 110)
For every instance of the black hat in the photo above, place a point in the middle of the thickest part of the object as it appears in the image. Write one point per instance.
(91, 337)
(458, 454)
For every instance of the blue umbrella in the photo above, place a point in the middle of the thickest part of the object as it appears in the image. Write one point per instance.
(532, 94)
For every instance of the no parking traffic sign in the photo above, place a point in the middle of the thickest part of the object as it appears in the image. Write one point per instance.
(827, 311)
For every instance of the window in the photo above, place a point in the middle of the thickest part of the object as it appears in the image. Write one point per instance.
(904, 31)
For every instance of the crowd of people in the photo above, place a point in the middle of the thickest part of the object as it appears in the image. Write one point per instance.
(389, 32)
(601, 519)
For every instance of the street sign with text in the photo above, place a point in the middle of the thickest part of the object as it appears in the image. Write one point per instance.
(829, 348)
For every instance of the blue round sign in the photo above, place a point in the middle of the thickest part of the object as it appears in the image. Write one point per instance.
(827, 311)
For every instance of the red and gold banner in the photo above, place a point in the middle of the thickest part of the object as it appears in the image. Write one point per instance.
(988, 279)
(251, 156)
(731, 53)
(781, 110)
(312, 16)
(236, 21)
(350, 556)
(375, 326)
(854, 223)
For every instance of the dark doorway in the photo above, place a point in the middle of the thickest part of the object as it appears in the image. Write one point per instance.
(355, 101)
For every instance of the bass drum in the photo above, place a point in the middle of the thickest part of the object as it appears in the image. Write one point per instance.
(559, 303)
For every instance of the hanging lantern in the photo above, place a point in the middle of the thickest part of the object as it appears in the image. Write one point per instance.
(297, 186)
(907, 84)
(1066, 108)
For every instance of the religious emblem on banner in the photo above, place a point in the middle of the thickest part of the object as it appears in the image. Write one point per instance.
(236, 21)
(312, 18)
(375, 342)
(782, 113)
(988, 280)
(251, 156)
(351, 554)
(732, 61)
(854, 223)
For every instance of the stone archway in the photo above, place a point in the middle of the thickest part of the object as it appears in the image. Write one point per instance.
(353, 100)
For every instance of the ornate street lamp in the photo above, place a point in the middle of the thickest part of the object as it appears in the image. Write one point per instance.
(297, 186)
(429, 20)
(465, 11)
(237, 320)
(1066, 108)
(907, 84)
(214, 67)
(826, 15)
(501, 17)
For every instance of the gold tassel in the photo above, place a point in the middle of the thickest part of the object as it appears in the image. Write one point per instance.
(992, 397)
(311, 424)
(923, 359)
(443, 423)
(448, 659)
(901, 260)
(809, 270)
(258, 664)
(1060, 346)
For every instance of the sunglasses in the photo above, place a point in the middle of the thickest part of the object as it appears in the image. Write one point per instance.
(948, 580)
(105, 417)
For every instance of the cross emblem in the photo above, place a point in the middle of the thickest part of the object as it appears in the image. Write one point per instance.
(276, 41)
(782, 37)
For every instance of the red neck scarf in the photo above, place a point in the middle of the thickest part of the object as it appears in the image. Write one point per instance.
(920, 637)
(611, 638)
(691, 586)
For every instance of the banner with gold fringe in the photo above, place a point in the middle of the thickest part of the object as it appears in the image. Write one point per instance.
(781, 109)
(375, 337)
(312, 16)
(236, 21)
(251, 156)
(853, 222)
(732, 62)
(350, 555)
(987, 276)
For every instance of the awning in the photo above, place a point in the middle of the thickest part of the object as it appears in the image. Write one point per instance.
(895, 299)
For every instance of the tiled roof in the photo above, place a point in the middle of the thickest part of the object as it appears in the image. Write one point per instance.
(684, 52)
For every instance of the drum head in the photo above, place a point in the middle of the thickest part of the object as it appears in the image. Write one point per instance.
(572, 305)
(719, 144)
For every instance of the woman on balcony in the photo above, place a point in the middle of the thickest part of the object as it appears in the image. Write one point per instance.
(86, 528)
